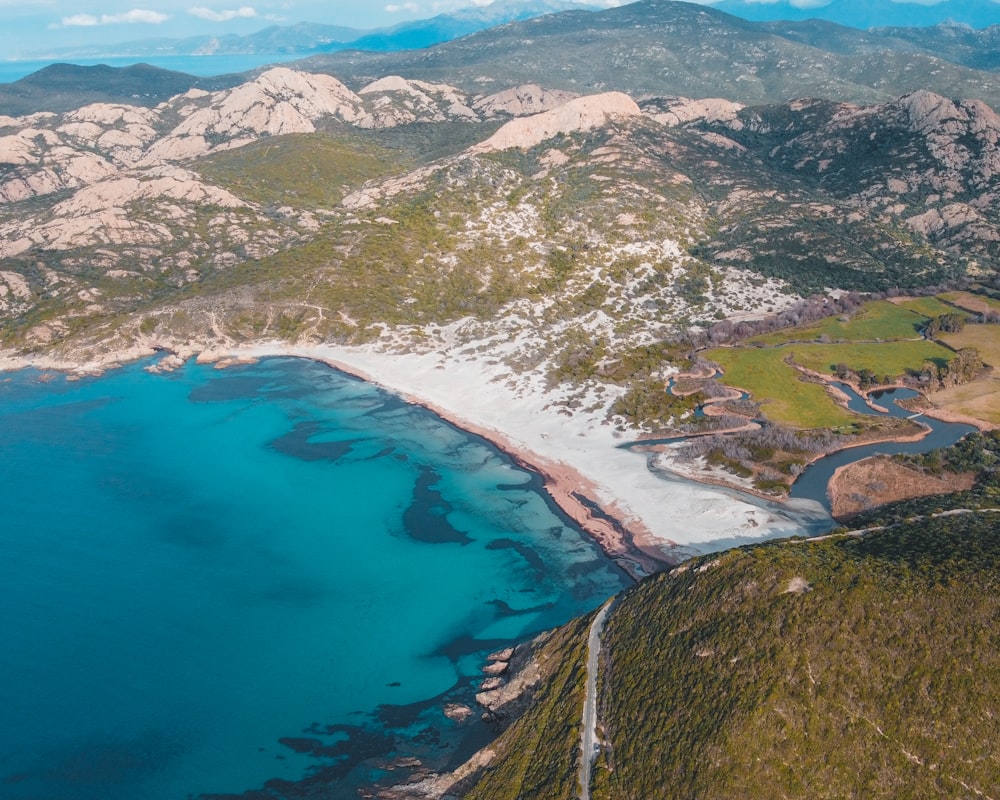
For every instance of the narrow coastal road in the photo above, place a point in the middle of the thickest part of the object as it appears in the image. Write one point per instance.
(588, 735)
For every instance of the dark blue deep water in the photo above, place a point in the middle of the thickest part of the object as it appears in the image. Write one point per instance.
(213, 580)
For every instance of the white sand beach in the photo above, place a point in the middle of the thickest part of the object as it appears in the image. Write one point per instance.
(638, 515)
(577, 454)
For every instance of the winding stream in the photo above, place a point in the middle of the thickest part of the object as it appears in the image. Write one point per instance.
(812, 484)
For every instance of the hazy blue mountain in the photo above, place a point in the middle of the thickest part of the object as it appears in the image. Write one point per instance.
(445, 27)
(662, 47)
(871, 13)
(60, 87)
(309, 37)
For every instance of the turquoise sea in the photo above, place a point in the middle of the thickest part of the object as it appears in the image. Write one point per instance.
(259, 582)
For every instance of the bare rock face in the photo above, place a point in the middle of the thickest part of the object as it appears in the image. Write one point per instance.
(14, 292)
(40, 162)
(681, 110)
(106, 212)
(958, 221)
(122, 133)
(281, 101)
(581, 114)
(393, 101)
(522, 101)
(961, 136)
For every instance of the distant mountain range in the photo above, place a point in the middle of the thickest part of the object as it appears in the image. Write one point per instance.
(652, 47)
(664, 47)
(870, 13)
(311, 37)
(308, 37)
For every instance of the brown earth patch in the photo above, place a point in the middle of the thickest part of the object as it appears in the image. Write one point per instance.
(875, 481)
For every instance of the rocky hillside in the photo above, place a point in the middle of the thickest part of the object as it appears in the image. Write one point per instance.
(293, 207)
(919, 172)
(852, 666)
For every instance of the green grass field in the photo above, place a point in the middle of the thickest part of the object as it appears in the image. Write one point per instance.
(888, 358)
(784, 397)
(876, 321)
(788, 400)
(928, 307)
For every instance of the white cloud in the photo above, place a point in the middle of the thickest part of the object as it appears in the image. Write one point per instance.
(394, 8)
(80, 20)
(136, 15)
(243, 12)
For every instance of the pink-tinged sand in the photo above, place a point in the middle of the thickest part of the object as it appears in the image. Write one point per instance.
(578, 456)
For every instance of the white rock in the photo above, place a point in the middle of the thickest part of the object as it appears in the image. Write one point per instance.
(522, 101)
(583, 113)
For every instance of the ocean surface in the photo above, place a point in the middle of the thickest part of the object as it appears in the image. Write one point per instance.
(269, 576)
(202, 66)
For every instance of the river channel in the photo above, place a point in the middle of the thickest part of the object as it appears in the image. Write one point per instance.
(812, 484)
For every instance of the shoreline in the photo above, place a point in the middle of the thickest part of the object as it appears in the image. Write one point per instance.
(575, 495)
(641, 520)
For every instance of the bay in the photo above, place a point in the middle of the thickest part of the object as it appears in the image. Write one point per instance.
(270, 575)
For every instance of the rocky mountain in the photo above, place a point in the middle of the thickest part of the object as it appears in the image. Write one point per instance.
(660, 47)
(978, 49)
(921, 166)
(956, 44)
(605, 222)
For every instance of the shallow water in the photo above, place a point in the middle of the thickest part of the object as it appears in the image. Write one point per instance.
(216, 579)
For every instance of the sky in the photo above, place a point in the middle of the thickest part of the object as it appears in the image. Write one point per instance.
(29, 27)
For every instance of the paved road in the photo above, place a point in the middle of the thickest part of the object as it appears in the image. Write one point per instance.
(588, 735)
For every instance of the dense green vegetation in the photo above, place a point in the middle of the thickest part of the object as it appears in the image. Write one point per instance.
(865, 663)
(300, 170)
(842, 667)
(873, 682)
(539, 755)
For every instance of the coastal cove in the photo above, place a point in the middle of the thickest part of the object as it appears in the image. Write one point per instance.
(289, 571)
(267, 575)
